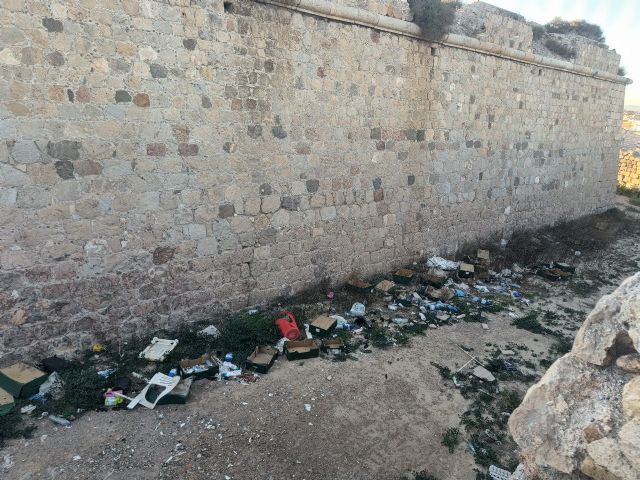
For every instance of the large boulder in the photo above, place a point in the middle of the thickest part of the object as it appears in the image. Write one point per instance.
(581, 420)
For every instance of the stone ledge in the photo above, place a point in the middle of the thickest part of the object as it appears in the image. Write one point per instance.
(359, 16)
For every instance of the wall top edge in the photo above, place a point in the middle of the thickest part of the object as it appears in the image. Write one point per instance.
(366, 18)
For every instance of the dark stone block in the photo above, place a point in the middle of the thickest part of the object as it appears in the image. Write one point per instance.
(377, 183)
(188, 149)
(380, 145)
(420, 135)
(226, 210)
(469, 143)
(157, 70)
(189, 43)
(477, 144)
(163, 255)
(52, 25)
(156, 149)
(56, 59)
(64, 150)
(290, 203)
(313, 186)
(278, 132)
(64, 169)
(375, 134)
(254, 131)
(265, 189)
(206, 102)
(122, 96)
(411, 179)
(70, 95)
(378, 195)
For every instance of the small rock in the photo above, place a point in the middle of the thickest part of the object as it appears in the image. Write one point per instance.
(485, 326)
(593, 432)
(629, 363)
(631, 398)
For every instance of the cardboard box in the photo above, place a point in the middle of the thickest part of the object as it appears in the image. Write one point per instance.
(435, 277)
(322, 325)
(466, 270)
(332, 344)
(201, 367)
(403, 276)
(262, 359)
(357, 285)
(6, 402)
(483, 255)
(301, 349)
(385, 286)
(22, 380)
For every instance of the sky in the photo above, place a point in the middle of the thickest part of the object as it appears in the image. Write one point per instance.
(619, 20)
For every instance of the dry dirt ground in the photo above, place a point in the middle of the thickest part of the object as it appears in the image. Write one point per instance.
(380, 416)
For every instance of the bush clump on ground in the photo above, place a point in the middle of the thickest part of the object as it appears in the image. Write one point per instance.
(579, 27)
(434, 16)
(632, 193)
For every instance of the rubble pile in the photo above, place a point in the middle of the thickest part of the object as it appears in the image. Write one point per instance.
(583, 417)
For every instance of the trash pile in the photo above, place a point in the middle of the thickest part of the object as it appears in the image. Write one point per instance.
(386, 312)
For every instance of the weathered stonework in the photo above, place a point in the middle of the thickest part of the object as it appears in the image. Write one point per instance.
(629, 169)
(164, 160)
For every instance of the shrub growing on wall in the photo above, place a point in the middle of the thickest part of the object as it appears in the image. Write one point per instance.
(579, 27)
(560, 49)
(434, 16)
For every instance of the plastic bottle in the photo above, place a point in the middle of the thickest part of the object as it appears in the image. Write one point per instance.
(60, 421)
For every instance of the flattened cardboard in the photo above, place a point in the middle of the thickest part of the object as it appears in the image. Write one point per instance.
(6, 402)
(444, 294)
(204, 367)
(385, 286)
(483, 255)
(301, 349)
(332, 344)
(357, 285)
(158, 349)
(466, 270)
(262, 359)
(403, 276)
(322, 325)
(22, 380)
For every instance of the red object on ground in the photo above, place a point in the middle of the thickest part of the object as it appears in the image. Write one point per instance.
(287, 326)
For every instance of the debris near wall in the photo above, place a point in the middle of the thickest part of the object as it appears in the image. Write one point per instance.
(583, 417)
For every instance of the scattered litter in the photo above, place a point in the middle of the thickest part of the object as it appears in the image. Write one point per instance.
(307, 407)
(357, 310)
(442, 264)
(229, 370)
(27, 409)
(59, 420)
(287, 325)
(393, 307)
(106, 373)
(483, 374)
(159, 381)
(445, 294)
(507, 352)
(400, 321)
(158, 350)
(485, 326)
(97, 348)
(202, 367)
(499, 473)
(77, 458)
(211, 330)
(280, 344)
(341, 323)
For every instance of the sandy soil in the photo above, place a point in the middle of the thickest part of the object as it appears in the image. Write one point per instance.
(380, 416)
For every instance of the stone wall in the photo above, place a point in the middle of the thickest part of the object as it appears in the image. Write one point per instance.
(161, 161)
(629, 169)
